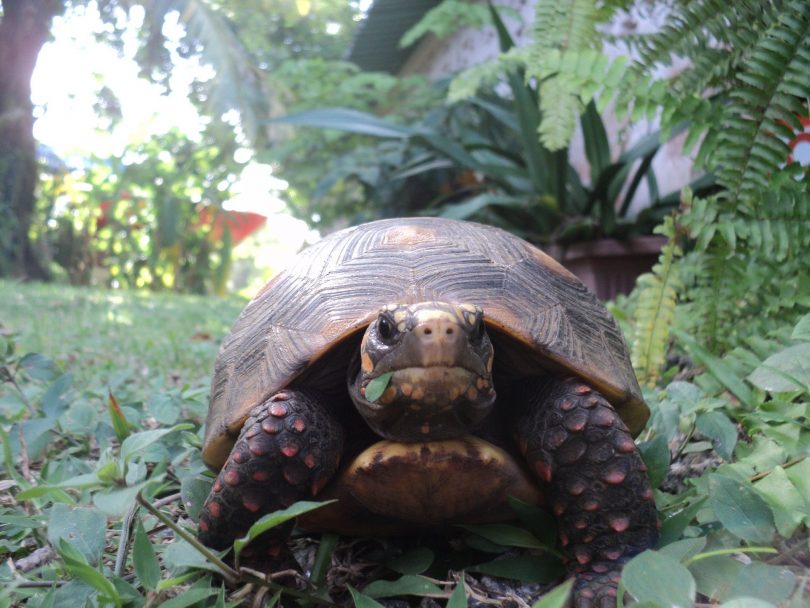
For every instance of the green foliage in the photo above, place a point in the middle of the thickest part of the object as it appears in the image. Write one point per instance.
(447, 18)
(655, 310)
(144, 219)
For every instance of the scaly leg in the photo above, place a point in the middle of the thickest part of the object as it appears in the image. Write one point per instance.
(289, 448)
(583, 454)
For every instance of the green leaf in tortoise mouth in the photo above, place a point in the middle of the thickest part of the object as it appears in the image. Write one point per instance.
(377, 386)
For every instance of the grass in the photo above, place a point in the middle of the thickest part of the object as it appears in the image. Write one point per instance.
(119, 337)
(103, 395)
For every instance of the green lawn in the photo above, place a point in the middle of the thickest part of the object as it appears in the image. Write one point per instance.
(119, 337)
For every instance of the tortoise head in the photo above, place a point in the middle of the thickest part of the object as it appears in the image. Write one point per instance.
(425, 371)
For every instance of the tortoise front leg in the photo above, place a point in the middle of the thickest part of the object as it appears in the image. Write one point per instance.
(583, 454)
(288, 449)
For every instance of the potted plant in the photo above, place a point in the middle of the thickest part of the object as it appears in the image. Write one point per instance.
(481, 159)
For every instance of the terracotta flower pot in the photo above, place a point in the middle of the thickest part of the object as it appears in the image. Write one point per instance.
(609, 267)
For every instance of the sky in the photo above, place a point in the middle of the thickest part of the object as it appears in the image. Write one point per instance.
(64, 85)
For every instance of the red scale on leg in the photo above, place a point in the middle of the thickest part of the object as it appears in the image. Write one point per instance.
(614, 475)
(309, 461)
(299, 425)
(576, 486)
(603, 417)
(625, 444)
(278, 410)
(619, 523)
(576, 422)
(270, 426)
(258, 447)
(231, 477)
(251, 504)
(214, 508)
(543, 470)
(260, 475)
(289, 450)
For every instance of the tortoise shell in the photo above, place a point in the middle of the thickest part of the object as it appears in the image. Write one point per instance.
(541, 318)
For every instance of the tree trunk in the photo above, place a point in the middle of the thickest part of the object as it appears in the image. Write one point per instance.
(24, 28)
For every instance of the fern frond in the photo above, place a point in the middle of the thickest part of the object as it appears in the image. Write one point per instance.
(468, 82)
(765, 105)
(562, 26)
(655, 311)
(698, 29)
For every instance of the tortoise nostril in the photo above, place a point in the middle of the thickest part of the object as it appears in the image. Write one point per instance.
(449, 331)
(428, 331)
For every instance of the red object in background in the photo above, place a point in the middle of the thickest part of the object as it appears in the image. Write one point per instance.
(241, 224)
(800, 140)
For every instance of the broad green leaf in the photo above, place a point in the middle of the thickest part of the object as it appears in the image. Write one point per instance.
(469, 207)
(363, 601)
(684, 549)
(194, 489)
(74, 593)
(536, 520)
(189, 597)
(39, 366)
(557, 597)
(802, 329)
(407, 584)
(788, 370)
(144, 558)
(656, 456)
(377, 386)
(716, 426)
(525, 568)
(799, 474)
(165, 408)
(715, 575)
(138, 442)
(746, 602)
(116, 502)
(271, 520)
(506, 535)
(345, 119)
(788, 506)
(655, 577)
(740, 509)
(83, 528)
(458, 599)
(765, 582)
(53, 400)
(180, 555)
(415, 561)
(87, 574)
(719, 369)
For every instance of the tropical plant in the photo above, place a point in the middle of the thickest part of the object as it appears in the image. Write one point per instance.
(144, 219)
(480, 158)
(742, 95)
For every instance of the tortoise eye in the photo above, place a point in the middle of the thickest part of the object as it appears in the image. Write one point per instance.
(386, 328)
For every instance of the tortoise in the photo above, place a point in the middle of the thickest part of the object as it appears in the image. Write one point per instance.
(421, 371)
